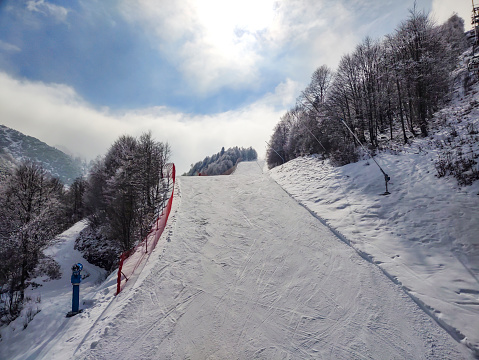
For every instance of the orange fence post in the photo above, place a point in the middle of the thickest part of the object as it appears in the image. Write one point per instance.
(118, 280)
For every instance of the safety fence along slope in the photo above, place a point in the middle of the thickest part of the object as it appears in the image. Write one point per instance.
(131, 259)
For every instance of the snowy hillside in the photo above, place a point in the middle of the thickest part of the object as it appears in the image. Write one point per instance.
(242, 271)
(424, 235)
(15, 146)
(51, 300)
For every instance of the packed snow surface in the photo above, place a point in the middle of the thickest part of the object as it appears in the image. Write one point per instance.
(424, 235)
(242, 271)
(248, 273)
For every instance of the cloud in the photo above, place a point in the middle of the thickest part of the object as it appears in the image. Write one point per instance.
(200, 55)
(5, 46)
(55, 114)
(44, 7)
(218, 44)
(443, 10)
(313, 33)
(208, 40)
(41, 6)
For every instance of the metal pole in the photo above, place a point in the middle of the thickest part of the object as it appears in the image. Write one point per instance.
(386, 176)
(76, 298)
(274, 151)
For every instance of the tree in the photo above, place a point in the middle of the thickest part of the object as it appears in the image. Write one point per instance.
(32, 213)
(318, 87)
(125, 189)
(453, 33)
(426, 63)
(75, 199)
(394, 84)
(276, 154)
(223, 161)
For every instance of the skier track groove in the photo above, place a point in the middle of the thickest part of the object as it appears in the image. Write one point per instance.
(251, 274)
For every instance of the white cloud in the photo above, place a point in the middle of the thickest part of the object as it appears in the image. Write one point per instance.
(57, 115)
(44, 7)
(9, 47)
(217, 43)
(443, 10)
(212, 42)
(316, 32)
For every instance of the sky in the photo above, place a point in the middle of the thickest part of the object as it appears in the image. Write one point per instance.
(200, 74)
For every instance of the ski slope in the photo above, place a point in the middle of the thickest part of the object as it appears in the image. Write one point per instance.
(245, 272)
(48, 327)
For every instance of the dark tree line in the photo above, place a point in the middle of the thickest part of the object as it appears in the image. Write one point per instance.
(383, 90)
(223, 161)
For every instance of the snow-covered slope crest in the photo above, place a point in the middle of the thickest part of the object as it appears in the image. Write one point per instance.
(423, 235)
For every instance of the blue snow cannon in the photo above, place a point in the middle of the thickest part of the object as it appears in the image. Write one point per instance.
(76, 280)
(76, 273)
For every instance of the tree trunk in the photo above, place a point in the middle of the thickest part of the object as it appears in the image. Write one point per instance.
(401, 115)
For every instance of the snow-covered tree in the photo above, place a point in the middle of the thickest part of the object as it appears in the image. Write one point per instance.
(223, 161)
(125, 188)
(390, 86)
(32, 212)
(74, 199)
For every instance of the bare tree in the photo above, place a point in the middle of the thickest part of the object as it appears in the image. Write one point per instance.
(125, 188)
(391, 85)
(32, 213)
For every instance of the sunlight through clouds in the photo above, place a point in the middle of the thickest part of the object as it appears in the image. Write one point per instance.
(222, 18)
(200, 74)
(217, 44)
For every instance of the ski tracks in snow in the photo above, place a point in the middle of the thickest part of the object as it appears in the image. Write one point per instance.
(251, 274)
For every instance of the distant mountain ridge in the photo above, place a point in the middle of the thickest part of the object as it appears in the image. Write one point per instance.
(15, 147)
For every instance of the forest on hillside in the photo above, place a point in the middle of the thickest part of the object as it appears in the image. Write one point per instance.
(384, 91)
(120, 199)
(223, 161)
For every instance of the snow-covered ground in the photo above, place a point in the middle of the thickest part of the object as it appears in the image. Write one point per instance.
(54, 303)
(243, 271)
(50, 335)
(424, 234)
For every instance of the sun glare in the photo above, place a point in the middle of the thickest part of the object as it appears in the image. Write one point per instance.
(227, 18)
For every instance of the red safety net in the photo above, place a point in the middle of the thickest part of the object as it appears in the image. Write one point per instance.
(130, 260)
